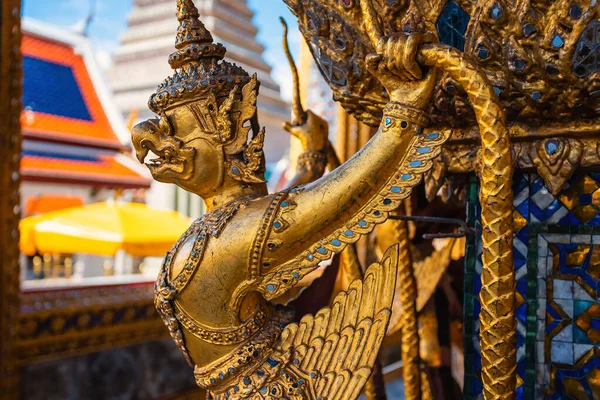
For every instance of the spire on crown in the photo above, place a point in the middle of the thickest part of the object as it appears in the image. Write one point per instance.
(191, 29)
(193, 42)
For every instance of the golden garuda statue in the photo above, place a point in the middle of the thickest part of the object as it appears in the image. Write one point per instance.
(215, 289)
(218, 286)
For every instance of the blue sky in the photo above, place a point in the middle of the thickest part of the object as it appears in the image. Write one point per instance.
(111, 20)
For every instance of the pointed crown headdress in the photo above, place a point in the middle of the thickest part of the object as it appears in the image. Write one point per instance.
(221, 95)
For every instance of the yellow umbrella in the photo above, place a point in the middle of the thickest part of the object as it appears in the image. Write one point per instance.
(103, 229)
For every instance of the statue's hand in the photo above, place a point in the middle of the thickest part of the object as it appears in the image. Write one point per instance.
(395, 66)
(313, 134)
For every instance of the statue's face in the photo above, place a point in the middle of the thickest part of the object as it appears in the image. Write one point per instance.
(186, 158)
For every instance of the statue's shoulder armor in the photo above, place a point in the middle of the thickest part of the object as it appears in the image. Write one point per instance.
(170, 284)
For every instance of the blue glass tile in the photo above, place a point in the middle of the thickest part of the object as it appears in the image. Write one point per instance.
(432, 136)
(423, 150)
(322, 250)
(296, 275)
(336, 242)
(396, 189)
(406, 177)
(415, 164)
(522, 286)
(270, 288)
(587, 51)
(362, 223)
(348, 233)
(452, 25)
(580, 306)
(585, 199)
(521, 313)
(579, 336)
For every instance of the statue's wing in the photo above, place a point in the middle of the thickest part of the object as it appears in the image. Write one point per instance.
(329, 355)
(428, 274)
(335, 350)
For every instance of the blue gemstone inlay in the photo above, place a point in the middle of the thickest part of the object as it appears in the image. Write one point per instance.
(496, 11)
(552, 146)
(406, 177)
(260, 372)
(310, 257)
(221, 376)
(362, 223)
(483, 53)
(263, 390)
(557, 41)
(270, 288)
(231, 370)
(313, 375)
(377, 213)
(497, 90)
(336, 242)
(423, 150)
(301, 381)
(432, 136)
(349, 233)
(388, 121)
(236, 388)
(277, 224)
(322, 250)
(246, 381)
(296, 275)
(387, 201)
(416, 163)
(396, 189)
(284, 204)
(536, 95)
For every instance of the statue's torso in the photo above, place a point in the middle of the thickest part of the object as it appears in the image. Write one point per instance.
(213, 257)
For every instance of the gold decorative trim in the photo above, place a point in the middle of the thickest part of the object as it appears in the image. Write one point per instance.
(222, 336)
(64, 323)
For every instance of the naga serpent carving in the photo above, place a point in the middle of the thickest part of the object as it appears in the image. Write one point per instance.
(216, 289)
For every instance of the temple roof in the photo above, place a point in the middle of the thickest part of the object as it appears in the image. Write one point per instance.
(73, 132)
(64, 96)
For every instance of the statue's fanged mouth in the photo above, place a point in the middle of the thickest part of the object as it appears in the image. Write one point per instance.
(167, 158)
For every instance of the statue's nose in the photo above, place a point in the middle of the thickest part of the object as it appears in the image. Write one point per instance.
(142, 135)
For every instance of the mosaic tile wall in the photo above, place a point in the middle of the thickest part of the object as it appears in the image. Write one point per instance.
(557, 266)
